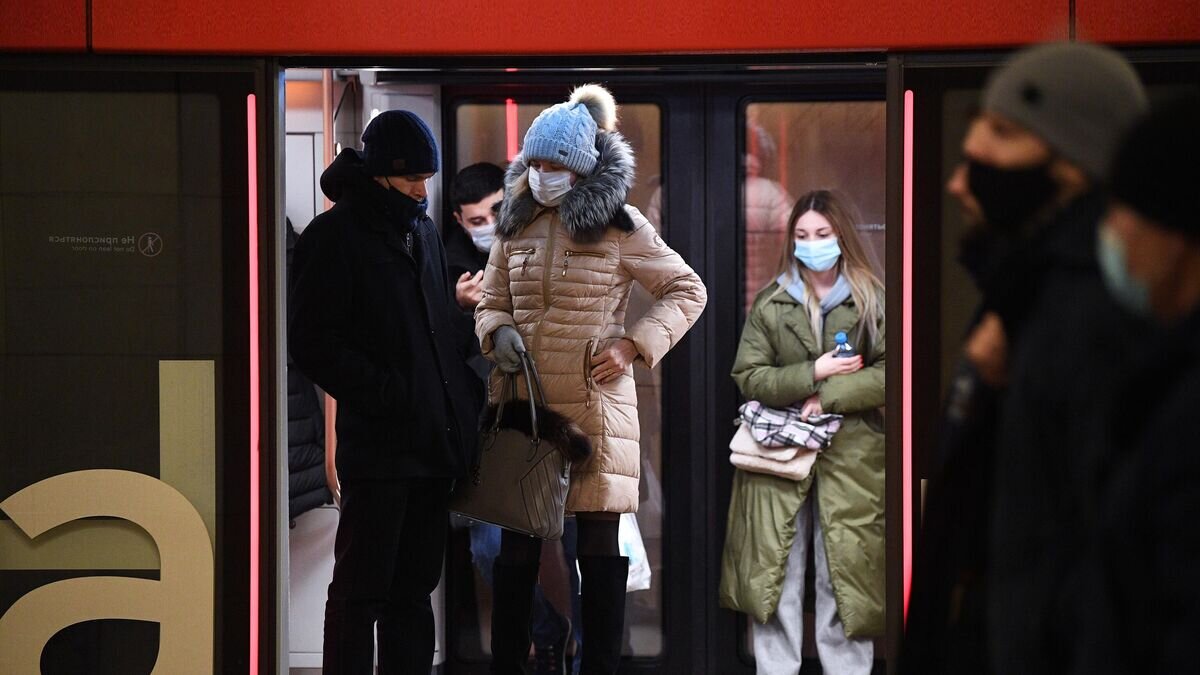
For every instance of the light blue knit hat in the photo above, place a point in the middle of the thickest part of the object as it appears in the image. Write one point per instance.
(566, 132)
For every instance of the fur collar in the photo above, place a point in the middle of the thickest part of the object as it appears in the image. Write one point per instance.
(591, 207)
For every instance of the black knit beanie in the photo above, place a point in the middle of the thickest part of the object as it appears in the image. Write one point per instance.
(398, 143)
(1157, 167)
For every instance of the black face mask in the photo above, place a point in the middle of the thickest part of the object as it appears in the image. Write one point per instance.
(404, 208)
(1010, 198)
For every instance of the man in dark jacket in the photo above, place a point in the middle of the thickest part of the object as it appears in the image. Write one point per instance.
(1141, 580)
(1062, 108)
(475, 196)
(374, 323)
(1047, 338)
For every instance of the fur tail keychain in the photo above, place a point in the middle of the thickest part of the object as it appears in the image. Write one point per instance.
(522, 475)
(554, 428)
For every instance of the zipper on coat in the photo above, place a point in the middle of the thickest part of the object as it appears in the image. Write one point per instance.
(527, 252)
(547, 271)
(587, 254)
(587, 370)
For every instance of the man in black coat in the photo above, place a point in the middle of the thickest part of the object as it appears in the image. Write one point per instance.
(1046, 342)
(373, 322)
(1141, 578)
(1064, 338)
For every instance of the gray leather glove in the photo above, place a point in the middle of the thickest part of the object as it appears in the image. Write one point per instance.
(506, 348)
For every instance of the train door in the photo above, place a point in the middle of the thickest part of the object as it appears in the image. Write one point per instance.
(772, 142)
(723, 151)
(945, 93)
(719, 167)
(942, 95)
(136, 278)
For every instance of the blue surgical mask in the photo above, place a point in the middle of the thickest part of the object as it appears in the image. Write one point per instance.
(819, 255)
(483, 237)
(1129, 292)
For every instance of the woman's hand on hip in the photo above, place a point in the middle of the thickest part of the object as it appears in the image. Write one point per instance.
(829, 365)
(609, 364)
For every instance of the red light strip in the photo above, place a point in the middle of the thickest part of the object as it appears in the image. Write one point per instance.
(906, 350)
(510, 128)
(252, 173)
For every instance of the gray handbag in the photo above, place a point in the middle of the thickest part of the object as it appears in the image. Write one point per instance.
(523, 471)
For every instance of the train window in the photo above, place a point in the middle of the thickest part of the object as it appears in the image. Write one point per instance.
(492, 132)
(790, 149)
(124, 341)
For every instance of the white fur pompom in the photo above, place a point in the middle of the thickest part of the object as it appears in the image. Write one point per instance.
(600, 104)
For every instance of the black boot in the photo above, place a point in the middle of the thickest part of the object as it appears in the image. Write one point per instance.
(551, 658)
(512, 605)
(603, 595)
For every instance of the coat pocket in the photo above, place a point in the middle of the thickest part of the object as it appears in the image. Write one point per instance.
(524, 255)
(587, 370)
(578, 255)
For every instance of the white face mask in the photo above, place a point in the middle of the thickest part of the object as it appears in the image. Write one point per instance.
(549, 187)
(483, 237)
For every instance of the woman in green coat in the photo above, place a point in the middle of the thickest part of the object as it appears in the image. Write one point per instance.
(785, 358)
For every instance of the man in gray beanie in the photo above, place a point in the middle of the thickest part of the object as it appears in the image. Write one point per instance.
(1044, 345)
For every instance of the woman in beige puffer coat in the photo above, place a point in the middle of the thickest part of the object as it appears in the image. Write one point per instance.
(557, 284)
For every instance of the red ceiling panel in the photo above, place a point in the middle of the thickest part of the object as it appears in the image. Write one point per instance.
(1130, 22)
(43, 25)
(443, 27)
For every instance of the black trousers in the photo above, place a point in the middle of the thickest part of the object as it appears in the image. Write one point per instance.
(387, 560)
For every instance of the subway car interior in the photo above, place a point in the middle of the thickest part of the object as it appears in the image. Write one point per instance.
(155, 174)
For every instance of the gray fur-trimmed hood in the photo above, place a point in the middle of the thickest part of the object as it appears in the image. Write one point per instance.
(594, 204)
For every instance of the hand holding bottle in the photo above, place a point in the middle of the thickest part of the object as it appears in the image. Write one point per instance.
(830, 364)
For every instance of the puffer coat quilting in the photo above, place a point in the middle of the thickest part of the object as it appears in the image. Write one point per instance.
(565, 288)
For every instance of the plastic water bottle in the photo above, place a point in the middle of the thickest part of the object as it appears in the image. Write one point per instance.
(842, 350)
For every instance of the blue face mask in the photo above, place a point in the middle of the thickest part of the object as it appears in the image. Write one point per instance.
(1129, 292)
(818, 255)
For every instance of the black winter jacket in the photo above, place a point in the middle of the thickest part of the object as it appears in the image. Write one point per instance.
(376, 326)
(1141, 580)
(461, 254)
(1067, 341)
(306, 446)
(306, 432)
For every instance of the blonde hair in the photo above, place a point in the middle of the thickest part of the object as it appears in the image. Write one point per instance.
(854, 265)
